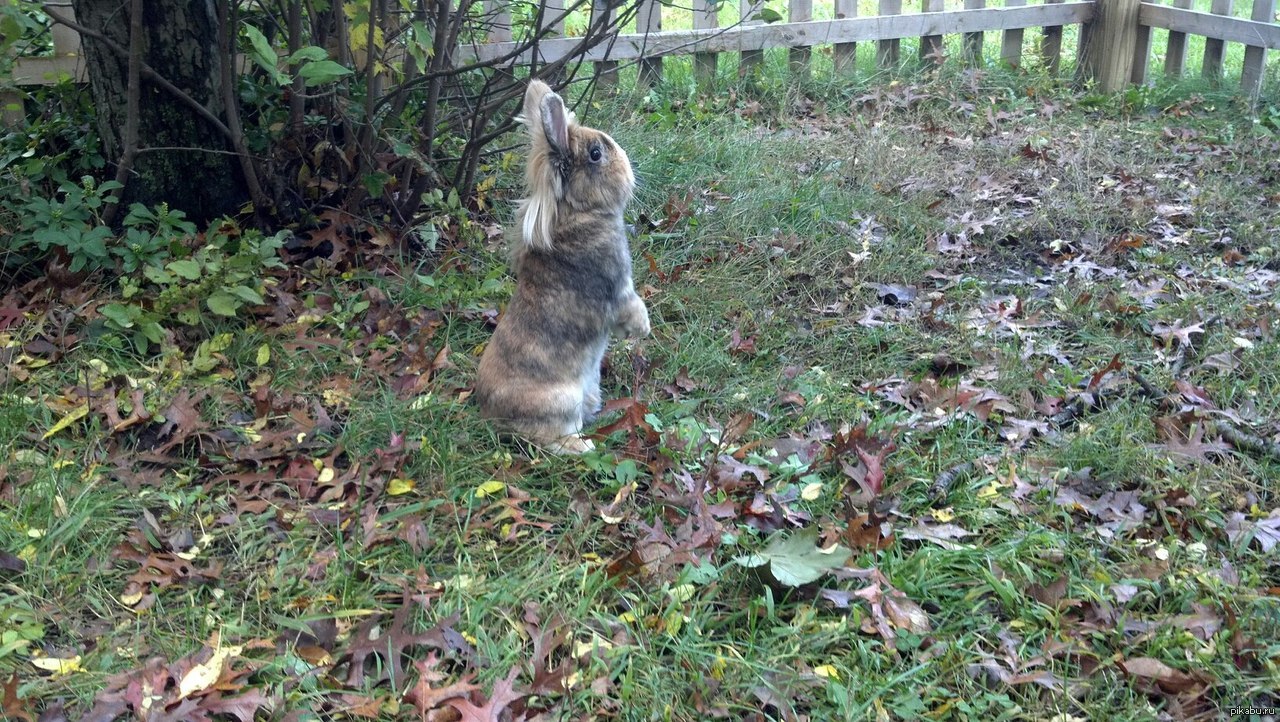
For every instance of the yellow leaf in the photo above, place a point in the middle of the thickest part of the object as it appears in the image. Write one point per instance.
(326, 475)
(682, 593)
(811, 491)
(990, 490)
(264, 355)
(828, 671)
(718, 666)
(489, 488)
(72, 416)
(944, 515)
(202, 676)
(396, 487)
(58, 666)
(131, 598)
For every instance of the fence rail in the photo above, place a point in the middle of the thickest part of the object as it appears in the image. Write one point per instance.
(648, 44)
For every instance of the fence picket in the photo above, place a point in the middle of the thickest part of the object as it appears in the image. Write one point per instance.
(887, 50)
(499, 20)
(751, 59)
(649, 20)
(1214, 49)
(845, 55)
(800, 11)
(931, 45)
(1255, 57)
(1175, 54)
(1051, 45)
(606, 70)
(973, 41)
(1141, 55)
(1011, 43)
(705, 18)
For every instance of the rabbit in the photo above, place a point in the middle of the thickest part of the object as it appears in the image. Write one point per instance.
(539, 376)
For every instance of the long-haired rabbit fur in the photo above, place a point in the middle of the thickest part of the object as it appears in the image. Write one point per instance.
(539, 377)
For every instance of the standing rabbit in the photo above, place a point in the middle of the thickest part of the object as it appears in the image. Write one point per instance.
(539, 376)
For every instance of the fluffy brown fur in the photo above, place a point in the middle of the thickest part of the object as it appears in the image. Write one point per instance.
(540, 374)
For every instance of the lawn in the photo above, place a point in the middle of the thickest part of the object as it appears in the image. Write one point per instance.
(961, 403)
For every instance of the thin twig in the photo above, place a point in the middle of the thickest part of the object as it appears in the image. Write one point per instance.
(1148, 388)
(132, 100)
(297, 103)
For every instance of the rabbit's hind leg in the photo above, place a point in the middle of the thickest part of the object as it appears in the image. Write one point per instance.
(559, 430)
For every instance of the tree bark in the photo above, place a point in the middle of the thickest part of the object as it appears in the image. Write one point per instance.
(183, 160)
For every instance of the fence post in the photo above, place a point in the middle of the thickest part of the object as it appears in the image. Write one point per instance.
(973, 41)
(845, 55)
(887, 50)
(1011, 43)
(751, 60)
(649, 20)
(1107, 43)
(1255, 58)
(799, 12)
(1214, 48)
(931, 45)
(1051, 45)
(1141, 54)
(603, 12)
(1175, 54)
(704, 64)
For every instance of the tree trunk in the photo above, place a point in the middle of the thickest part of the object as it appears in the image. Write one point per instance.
(183, 160)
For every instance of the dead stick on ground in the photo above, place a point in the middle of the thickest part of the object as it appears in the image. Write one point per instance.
(942, 484)
(1245, 441)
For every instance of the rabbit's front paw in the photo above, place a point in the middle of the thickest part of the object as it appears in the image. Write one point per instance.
(634, 320)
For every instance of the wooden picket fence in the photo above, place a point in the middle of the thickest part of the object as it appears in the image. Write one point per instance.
(1114, 47)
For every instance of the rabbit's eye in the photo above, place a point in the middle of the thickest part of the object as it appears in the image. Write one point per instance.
(596, 154)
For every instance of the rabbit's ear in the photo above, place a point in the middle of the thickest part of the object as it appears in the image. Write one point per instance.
(555, 124)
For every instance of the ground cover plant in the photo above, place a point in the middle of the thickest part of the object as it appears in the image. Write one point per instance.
(961, 403)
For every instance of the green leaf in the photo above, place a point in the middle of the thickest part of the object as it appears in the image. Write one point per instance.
(187, 269)
(261, 47)
(157, 276)
(153, 331)
(311, 52)
(321, 72)
(245, 293)
(768, 15)
(119, 314)
(796, 560)
(224, 304)
(375, 182)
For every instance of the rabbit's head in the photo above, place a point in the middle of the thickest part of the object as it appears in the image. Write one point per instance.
(571, 168)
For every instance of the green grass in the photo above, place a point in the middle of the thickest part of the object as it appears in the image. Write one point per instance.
(800, 198)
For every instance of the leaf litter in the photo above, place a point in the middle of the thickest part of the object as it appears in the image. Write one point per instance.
(785, 490)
